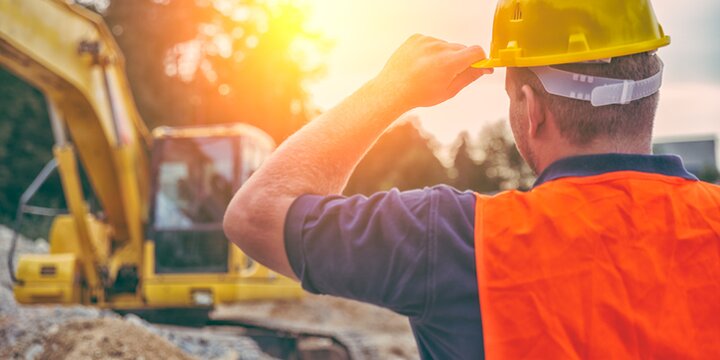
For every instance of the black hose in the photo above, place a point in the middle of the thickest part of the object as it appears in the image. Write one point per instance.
(13, 247)
(24, 199)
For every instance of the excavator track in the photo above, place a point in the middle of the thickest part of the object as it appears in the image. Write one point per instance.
(290, 341)
(277, 339)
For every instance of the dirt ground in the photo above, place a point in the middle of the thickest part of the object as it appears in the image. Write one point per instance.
(387, 332)
(51, 333)
(101, 339)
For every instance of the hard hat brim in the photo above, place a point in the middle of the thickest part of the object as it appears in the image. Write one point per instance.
(568, 58)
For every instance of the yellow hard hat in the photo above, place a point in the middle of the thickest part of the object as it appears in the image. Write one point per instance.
(551, 32)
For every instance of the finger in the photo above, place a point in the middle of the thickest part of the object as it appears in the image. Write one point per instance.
(464, 79)
(464, 58)
(439, 46)
(454, 47)
(415, 37)
(425, 40)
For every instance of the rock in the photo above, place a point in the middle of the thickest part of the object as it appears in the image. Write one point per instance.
(8, 306)
(53, 329)
(24, 246)
(33, 351)
(42, 246)
(136, 320)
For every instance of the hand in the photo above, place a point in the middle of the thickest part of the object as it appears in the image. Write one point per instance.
(426, 71)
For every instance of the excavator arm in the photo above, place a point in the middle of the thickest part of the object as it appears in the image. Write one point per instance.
(68, 53)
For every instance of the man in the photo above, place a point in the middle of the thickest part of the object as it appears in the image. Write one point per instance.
(614, 253)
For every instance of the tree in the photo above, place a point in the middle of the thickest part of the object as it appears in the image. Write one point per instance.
(468, 173)
(492, 164)
(403, 158)
(25, 146)
(198, 62)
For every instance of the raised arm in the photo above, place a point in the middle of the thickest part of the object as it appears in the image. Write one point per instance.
(320, 158)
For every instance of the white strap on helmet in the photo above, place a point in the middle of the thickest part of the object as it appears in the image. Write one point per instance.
(599, 91)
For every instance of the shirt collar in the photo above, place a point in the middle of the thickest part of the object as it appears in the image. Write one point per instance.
(591, 165)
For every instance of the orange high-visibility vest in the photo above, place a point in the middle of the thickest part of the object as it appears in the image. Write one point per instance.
(614, 266)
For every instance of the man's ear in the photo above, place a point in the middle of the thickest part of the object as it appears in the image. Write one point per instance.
(535, 111)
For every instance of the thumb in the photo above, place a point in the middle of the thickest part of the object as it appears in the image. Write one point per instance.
(466, 78)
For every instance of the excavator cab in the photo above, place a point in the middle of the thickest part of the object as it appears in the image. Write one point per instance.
(194, 180)
(189, 262)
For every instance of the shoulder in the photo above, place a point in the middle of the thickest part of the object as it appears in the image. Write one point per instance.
(439, 198)
(453, 211)
(381, 248)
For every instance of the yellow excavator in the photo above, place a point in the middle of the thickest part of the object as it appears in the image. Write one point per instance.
(156, 246)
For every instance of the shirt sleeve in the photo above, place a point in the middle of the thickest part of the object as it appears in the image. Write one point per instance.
(373, 249)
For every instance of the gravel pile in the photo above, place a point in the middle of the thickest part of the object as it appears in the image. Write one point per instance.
(24, 330)
(35, 332)
(79, 332)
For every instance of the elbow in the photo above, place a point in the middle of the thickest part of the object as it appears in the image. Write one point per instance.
(235, 221)
(243, 220)
(253, 221)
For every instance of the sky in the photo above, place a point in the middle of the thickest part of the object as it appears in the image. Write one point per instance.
(365, 33)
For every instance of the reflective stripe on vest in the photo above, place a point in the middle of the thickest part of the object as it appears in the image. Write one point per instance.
(616, 266)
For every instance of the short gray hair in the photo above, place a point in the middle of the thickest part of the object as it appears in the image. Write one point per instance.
(579, 121)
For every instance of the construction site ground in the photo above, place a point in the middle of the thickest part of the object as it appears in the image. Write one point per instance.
(77, 332)
(382, 329)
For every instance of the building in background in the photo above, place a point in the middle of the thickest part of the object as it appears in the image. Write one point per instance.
(699, 153)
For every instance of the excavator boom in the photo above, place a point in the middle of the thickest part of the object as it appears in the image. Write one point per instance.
(68, 53)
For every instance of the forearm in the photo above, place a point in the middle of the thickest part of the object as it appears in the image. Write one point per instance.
(320, 158)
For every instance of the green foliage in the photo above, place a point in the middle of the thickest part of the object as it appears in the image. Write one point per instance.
(468, 173)
(405, 158)
(25, 146)
(201, 62)
(492, 164)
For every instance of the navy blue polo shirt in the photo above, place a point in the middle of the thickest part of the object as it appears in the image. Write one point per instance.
(413, 252)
